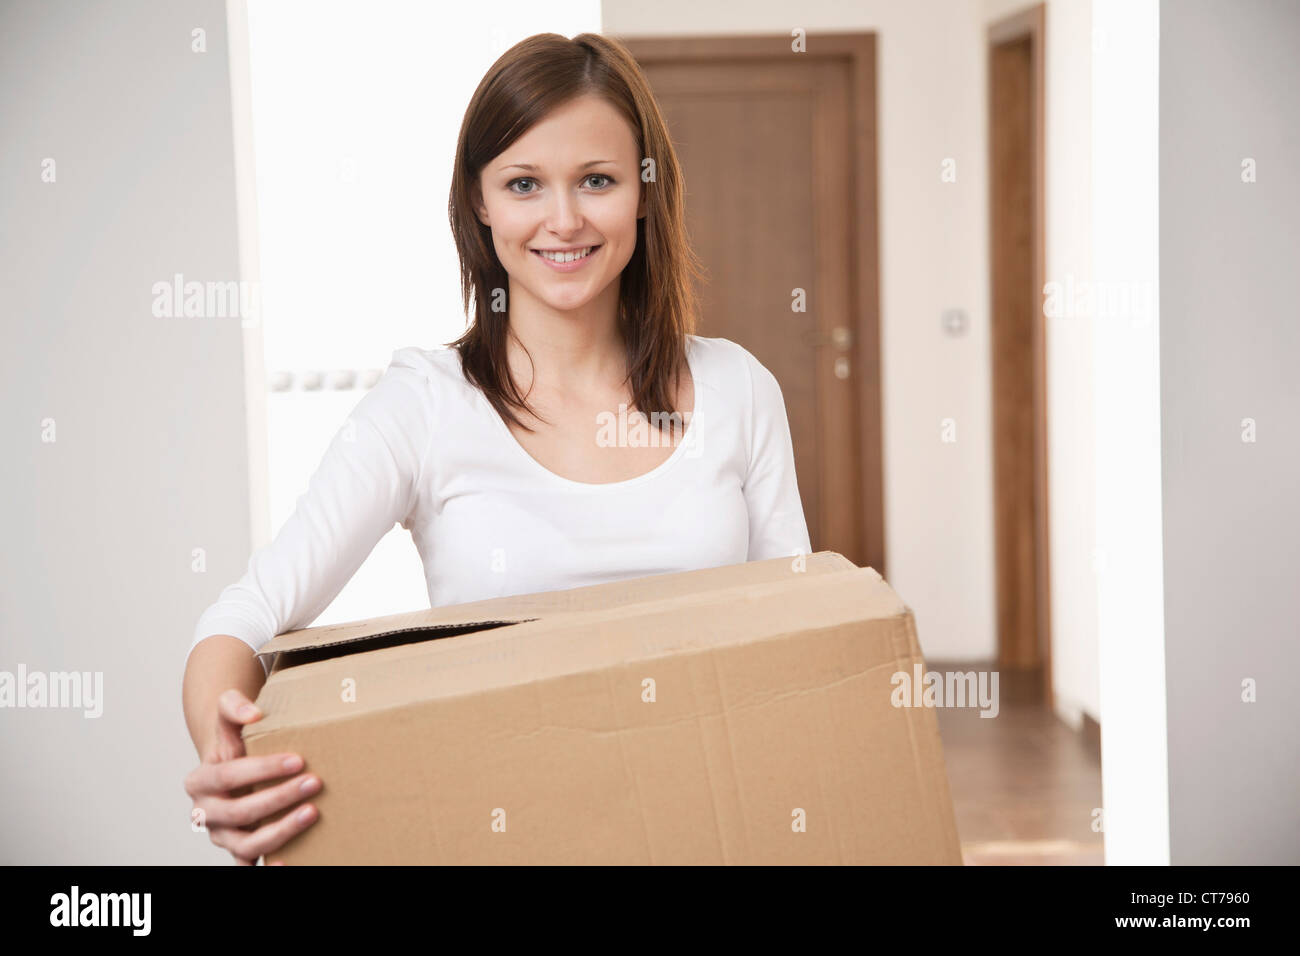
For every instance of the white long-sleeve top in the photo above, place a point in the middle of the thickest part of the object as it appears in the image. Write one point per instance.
(425, 448)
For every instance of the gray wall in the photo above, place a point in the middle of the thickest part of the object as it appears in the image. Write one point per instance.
(150, 455)
(1229, 350)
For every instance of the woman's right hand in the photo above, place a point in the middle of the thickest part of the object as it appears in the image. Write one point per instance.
(221, 787)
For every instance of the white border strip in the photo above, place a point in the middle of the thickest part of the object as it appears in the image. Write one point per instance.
(1126, 344)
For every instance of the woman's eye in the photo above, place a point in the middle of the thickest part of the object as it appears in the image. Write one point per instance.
(607, 181)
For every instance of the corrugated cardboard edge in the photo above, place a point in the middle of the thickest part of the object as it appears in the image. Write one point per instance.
(927, 748)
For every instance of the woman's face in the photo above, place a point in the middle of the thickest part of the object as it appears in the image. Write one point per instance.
(570, 183)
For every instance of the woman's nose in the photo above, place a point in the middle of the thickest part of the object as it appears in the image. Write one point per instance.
(564, 214)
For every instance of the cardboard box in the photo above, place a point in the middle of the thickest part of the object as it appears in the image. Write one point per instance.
(732, 715)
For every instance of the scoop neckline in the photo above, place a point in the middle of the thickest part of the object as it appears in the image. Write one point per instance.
(689, 437)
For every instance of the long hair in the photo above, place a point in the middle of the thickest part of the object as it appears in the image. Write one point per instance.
(657, 306)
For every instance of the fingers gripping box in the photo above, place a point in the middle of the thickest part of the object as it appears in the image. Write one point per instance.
(739, 714)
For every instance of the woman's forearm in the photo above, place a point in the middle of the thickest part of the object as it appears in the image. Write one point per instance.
(216, 664)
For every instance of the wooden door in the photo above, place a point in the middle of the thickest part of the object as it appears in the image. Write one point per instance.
(779, 156)
(1018, 341)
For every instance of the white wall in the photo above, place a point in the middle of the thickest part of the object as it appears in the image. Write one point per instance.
(1126, 408)
(934, 256)
(150, 456)
(1072, 483)
(1228, 349)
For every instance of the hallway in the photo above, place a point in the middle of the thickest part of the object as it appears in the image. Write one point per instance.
(1024, 785)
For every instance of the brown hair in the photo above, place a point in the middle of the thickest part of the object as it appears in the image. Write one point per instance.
(657, 307)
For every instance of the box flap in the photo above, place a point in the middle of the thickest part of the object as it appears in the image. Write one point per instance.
(476, 615)
(572, 642)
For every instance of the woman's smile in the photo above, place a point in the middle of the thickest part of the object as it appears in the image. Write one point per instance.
(570, 260)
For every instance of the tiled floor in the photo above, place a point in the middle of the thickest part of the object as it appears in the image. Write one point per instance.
(1024, 785)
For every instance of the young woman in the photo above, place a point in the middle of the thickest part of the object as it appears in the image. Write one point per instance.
(515, 456)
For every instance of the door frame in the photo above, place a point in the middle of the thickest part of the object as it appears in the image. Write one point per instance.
(1031, 24)
(858, 52)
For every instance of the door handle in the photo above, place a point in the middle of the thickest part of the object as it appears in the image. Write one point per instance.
(840, 337)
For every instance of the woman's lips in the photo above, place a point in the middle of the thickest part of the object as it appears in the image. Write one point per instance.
(573, 266)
